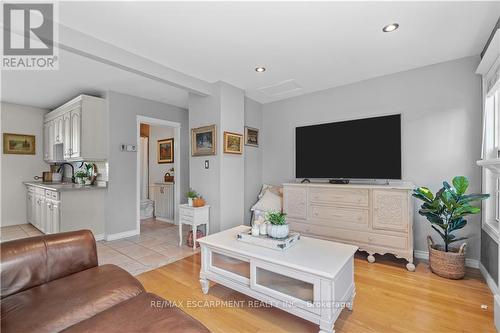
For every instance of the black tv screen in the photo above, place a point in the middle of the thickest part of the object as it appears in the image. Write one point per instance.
(367, 148)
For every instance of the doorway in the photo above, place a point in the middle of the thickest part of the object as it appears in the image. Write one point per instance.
(158, 173)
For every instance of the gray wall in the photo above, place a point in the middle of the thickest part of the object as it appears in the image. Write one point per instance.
(20, 119)
(121, 196)
(441, 128)
(253, 157)
(489, 255)
(223, 183)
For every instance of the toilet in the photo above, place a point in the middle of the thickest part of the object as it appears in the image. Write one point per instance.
(147, 208)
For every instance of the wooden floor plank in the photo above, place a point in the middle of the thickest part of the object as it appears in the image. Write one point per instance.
(389, 299)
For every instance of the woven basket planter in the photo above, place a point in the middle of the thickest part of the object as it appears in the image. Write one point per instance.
(451, 264)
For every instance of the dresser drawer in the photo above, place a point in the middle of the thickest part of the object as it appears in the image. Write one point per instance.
(339, 196)
(339, 217)
(186, 212)
(185, 218)
(394, 242)
(350, 236)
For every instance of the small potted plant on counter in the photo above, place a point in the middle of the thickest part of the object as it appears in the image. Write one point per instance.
(277, 226)
(80, 177)
(446, 210)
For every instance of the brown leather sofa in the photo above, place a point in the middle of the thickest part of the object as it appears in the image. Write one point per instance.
(53, 283)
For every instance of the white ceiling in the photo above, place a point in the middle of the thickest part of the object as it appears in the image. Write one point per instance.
(319, 45)
(81, 75)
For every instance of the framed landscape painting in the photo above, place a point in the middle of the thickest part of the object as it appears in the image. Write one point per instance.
(165, 151)
(251, 136)
(203, 141)
(233, 143)
(19, 144)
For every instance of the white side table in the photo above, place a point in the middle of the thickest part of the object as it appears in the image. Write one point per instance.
(193, 216)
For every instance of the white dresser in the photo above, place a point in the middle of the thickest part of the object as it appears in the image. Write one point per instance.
(194, 216)
(376, 218)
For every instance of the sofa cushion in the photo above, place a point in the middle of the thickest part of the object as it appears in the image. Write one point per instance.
(58, 304)
(144, 313)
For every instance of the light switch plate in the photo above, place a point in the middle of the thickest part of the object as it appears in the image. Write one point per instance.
(207, 164)
(128, 147)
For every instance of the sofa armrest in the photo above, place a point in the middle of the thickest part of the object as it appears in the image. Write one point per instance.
(29, 262)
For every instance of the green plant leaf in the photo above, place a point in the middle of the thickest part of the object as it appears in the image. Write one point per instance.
(472, 197)
(448, 199)
(456, 224)
(465, 210)
(461, 184)
(424, 194)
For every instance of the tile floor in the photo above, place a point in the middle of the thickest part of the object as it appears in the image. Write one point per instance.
(157, 245)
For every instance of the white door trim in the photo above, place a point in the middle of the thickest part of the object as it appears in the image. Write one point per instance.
(177, 134)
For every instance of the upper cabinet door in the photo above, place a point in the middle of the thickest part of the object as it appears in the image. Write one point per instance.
(58, 129)
(67, 139)
(390, 210)
(295, 201)
(76, 124)
(49, 134)
(46, 144)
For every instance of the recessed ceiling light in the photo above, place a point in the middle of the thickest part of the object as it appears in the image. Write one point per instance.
(260, 69)
(390, 27)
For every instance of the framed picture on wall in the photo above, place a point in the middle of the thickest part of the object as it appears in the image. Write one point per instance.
(233, 143)
(251, 136)
(165, 151)
(20, 144)
(203, 141)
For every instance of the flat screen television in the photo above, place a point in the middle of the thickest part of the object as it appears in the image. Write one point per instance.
(367, 148)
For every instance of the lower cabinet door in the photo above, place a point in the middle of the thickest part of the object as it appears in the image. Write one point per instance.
(56, 217)
(295, 288)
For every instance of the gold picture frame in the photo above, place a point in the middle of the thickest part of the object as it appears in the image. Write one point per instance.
(165, 151)
(20, 144)
(233, 143)
(251, 136)
(203, 141)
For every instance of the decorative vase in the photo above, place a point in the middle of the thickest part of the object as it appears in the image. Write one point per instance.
(450, 265)
(278, 230)
(263, 229)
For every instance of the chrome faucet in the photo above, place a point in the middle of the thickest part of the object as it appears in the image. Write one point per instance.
(61, 167)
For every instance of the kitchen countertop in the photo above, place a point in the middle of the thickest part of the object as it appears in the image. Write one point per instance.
(66, 186)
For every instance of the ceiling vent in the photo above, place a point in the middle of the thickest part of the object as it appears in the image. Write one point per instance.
(281, 88)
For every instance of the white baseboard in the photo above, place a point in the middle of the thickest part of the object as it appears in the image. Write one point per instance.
(99, 237)
(121, 235)
(489, 280)
(425, 256)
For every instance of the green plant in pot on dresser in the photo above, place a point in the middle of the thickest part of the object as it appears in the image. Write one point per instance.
(446, 211)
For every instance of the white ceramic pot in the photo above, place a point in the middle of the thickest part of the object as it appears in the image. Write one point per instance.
(255, 230)
(190, 202)
(278, 231)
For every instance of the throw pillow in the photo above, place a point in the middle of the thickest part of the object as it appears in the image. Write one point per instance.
(268, 202)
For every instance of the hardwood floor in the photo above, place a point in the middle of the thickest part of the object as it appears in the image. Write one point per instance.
(389, 299)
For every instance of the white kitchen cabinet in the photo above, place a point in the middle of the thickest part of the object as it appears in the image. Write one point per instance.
(67, 135)
(48, 140)
(76, 123)
(81, 126)
(61, 208)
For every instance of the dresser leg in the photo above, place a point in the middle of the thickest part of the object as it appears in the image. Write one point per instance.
(180, 233)
(204, 285)
(350, 304)
(370, 258)
(410, 266)
(324, 329)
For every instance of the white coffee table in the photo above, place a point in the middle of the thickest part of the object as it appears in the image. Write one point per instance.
(313, 279)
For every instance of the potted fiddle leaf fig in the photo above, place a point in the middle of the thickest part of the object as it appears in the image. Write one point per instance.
(446, 211)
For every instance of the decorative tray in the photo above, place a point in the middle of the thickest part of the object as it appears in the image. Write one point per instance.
(269, 242)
